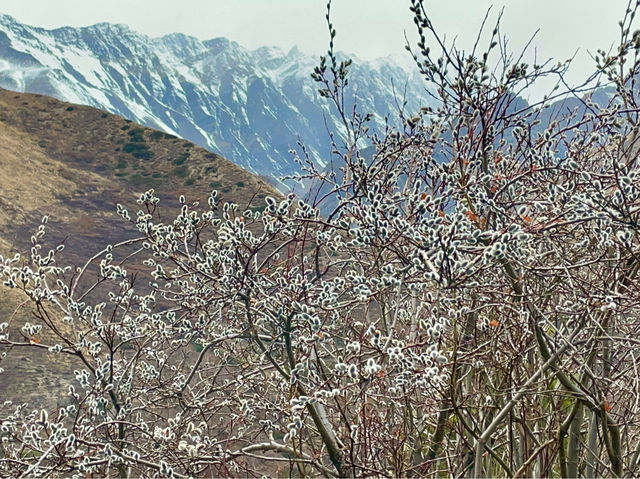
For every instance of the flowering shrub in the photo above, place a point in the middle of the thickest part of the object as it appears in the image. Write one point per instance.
(466, 304)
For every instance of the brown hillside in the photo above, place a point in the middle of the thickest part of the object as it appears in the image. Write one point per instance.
(75, 163)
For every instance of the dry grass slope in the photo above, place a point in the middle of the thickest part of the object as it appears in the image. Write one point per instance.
(74, 163)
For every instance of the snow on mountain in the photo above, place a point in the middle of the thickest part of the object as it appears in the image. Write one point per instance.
(249, 106)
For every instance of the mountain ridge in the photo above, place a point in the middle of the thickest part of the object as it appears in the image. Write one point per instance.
(250, 106)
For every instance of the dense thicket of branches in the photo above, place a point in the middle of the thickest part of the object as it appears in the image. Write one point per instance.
(468, 305)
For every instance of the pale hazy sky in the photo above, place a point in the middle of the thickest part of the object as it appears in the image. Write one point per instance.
(367, 28)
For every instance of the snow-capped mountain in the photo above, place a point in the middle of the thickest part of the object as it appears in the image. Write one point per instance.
(249, 106)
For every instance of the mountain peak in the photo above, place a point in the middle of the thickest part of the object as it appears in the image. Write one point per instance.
(269, 52)
(178, 37)
(294, 51)
(218, 44)
(109, 27)
(6, 19)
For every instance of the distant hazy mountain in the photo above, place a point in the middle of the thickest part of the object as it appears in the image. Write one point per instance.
(249, 106)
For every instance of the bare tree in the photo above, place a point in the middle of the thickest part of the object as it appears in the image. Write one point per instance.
(466, 305)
